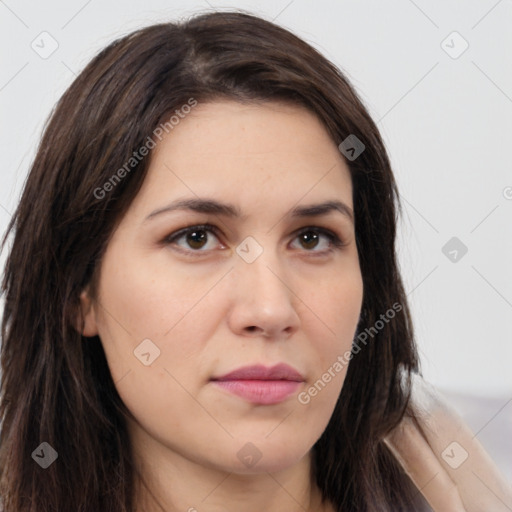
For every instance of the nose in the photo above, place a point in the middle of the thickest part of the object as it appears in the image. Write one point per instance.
(263, 300)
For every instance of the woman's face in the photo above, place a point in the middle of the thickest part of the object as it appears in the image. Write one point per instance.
(266, 285)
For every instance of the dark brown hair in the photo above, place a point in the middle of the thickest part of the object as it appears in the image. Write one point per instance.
(58, 389)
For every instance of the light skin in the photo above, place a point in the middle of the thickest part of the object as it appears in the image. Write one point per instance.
(209, 311)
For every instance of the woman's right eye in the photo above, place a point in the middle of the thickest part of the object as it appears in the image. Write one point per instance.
(200, 238)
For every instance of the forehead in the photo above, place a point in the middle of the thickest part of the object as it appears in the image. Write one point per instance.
(248, 152)
(248, 131)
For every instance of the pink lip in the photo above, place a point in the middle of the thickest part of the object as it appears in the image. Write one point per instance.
(261, 385)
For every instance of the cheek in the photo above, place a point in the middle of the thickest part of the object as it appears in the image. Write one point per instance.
(178, 320)
(160, 303)
(151, 296)
(336, 303)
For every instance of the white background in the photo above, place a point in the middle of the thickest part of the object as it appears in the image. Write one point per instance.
(447, 123)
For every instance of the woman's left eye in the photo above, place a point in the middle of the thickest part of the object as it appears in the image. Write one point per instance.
(316, 239)
(204, 237)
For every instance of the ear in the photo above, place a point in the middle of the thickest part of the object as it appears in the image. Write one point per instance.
(88, 314)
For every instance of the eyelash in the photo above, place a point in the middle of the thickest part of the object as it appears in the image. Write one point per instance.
(334, 239)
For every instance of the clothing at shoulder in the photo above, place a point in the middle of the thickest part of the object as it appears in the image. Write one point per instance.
(445, 461)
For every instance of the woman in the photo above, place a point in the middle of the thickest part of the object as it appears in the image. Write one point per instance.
(205, 250)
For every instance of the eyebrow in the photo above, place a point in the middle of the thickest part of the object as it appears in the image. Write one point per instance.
(212, 206)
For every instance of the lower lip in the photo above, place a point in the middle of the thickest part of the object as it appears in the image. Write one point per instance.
(264, 392)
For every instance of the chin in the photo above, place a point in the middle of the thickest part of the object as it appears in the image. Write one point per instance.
(266, 455)
(268, 466)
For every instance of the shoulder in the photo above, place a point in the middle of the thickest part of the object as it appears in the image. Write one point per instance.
(444, 459)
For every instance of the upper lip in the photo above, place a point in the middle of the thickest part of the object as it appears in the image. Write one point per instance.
(280, 371)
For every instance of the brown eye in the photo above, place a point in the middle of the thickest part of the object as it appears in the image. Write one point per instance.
(318, 240)
(309, 239)
(195, 238)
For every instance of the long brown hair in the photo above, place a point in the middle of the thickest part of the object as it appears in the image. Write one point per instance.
(57, 389)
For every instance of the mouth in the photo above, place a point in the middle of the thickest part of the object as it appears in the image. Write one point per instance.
(261, 385)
